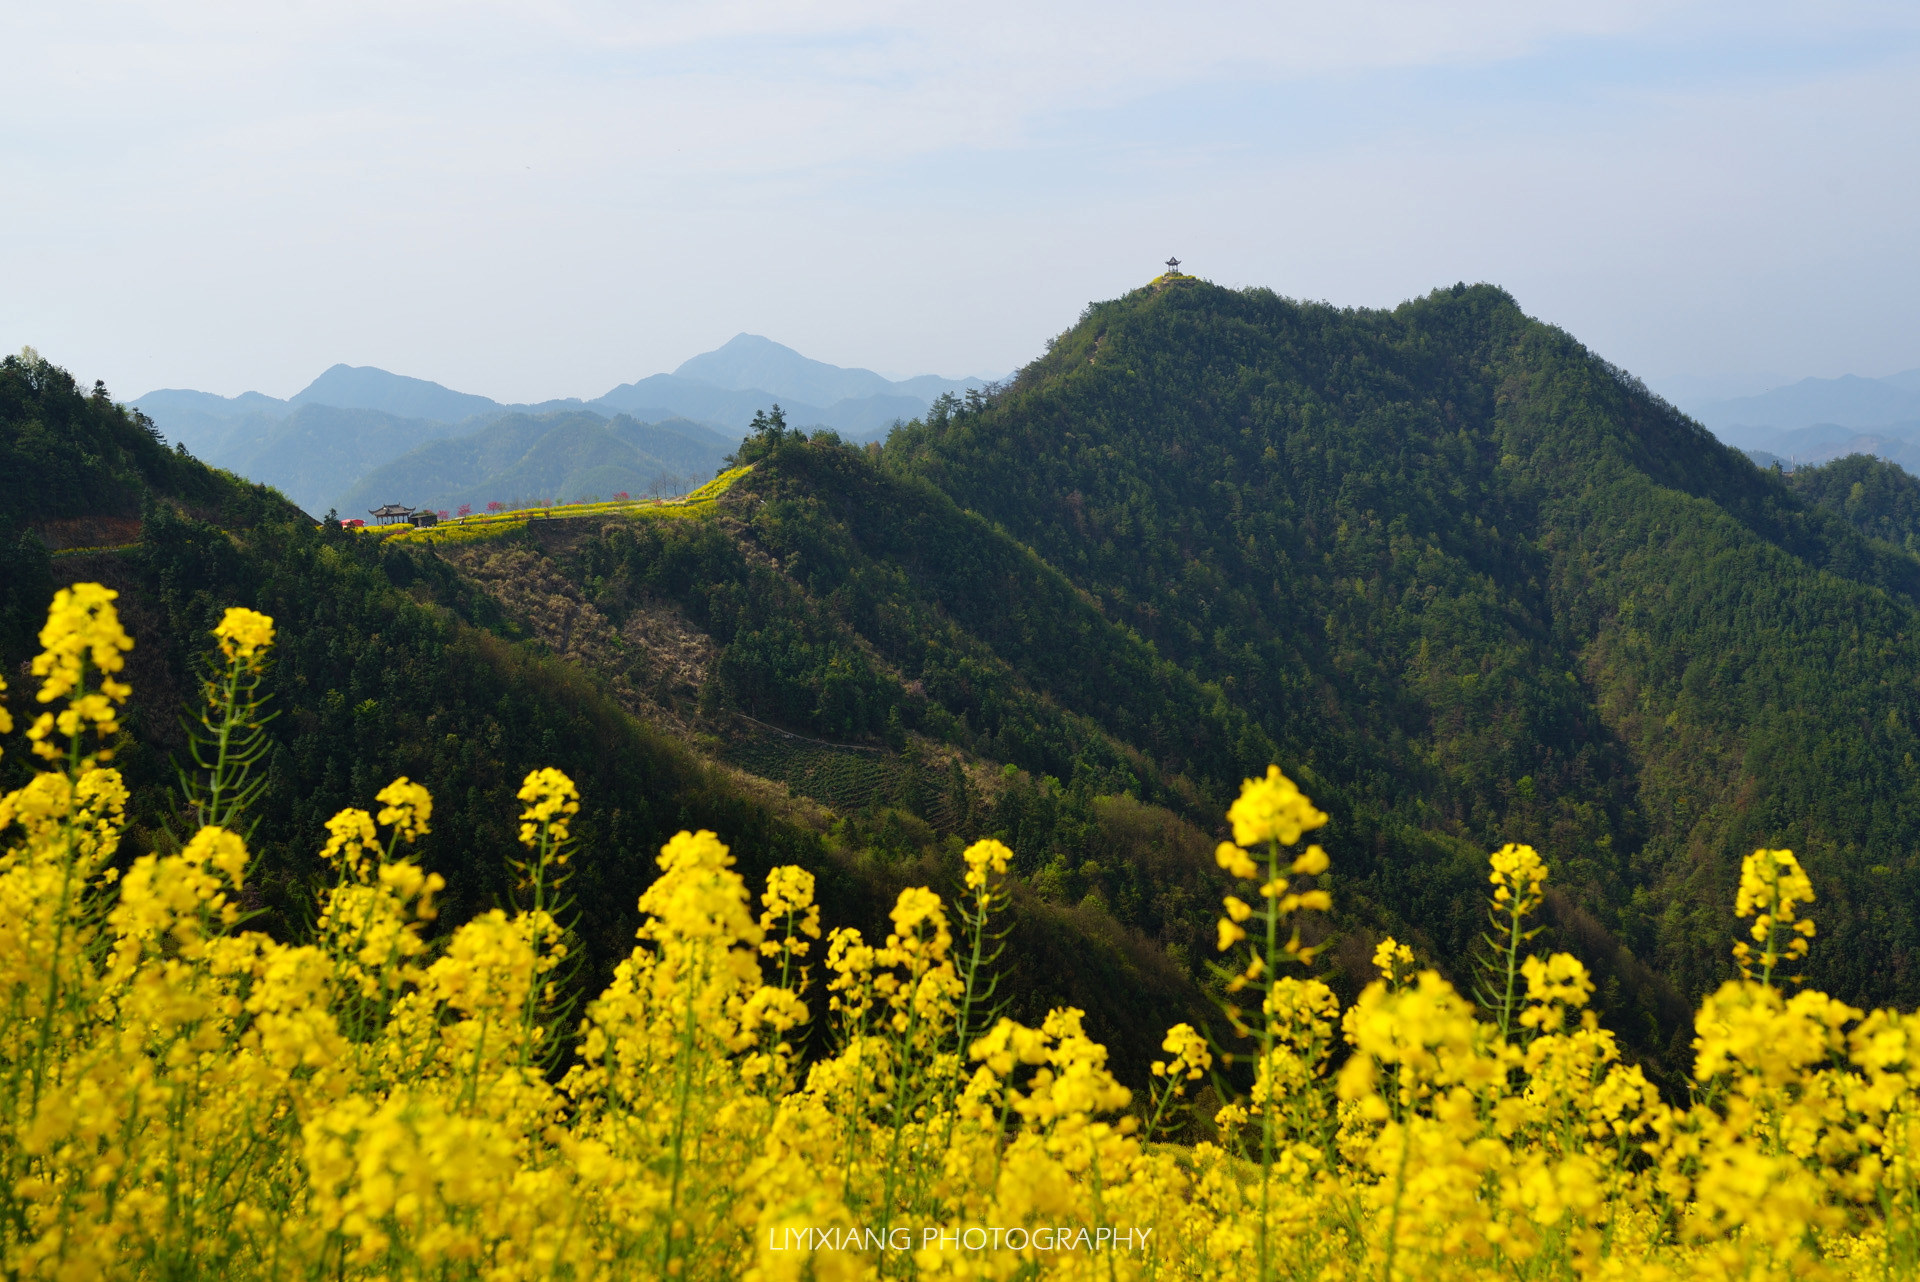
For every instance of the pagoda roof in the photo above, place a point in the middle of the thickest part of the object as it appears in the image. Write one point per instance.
(390, 509)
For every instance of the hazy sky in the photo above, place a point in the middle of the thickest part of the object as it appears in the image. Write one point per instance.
(533, 200)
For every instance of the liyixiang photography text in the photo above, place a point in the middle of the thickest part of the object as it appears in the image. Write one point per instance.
(974, 1237)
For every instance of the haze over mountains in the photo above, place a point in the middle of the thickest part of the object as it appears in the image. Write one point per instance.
(1817, 419)
(322, 445)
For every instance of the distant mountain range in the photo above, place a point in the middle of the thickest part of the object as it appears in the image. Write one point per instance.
(1848, 401)
(1824, 442)
(321, 447)
(1817, 419)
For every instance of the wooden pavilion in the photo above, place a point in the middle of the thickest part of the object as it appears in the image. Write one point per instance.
(390, 514)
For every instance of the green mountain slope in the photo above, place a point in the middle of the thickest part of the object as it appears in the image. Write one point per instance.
(76, 471)
(851, 632)
(1455, 561)
(859, 639)
(68, 455)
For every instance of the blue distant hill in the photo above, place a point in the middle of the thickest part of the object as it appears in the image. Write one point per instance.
(747, 373)
(362, 387)
(319, 444)
(1819, 419)
(1861, 404)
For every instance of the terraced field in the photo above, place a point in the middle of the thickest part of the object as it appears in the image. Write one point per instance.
(845, 777)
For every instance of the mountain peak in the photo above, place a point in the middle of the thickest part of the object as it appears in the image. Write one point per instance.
(749, 361)
(744, 342)
(364, 387)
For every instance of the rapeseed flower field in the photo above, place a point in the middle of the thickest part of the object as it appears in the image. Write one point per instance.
(181, 1097)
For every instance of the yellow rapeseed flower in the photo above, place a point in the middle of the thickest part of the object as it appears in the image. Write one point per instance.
(82, 627)
(244, 635)
(1236, 861)
(220, 849)
(1553, 985)
(1393, 959)
(1191, 1058)
(982, 858)
(197, 1100)
(1771, 882)
(1518, 873)
(1272, 809)
(551, 799)
(1772, 885)
(789, 894)
(408, 807)
(350, 835)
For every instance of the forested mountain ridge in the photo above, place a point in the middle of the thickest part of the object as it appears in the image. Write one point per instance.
(1464, 567)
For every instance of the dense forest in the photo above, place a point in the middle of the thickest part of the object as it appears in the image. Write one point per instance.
(1492, 587)
(1463, 578)
(1880, 499)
